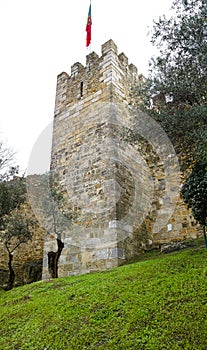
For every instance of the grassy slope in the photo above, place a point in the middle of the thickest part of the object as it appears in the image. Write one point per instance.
(160, 303)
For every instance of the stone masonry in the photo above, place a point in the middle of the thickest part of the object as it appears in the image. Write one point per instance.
(110, 163)
(116, 171)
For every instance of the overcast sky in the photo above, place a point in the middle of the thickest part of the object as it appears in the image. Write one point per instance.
(42, 38)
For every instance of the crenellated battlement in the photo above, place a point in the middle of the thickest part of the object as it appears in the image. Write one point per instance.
(99, 74)
(93, 61)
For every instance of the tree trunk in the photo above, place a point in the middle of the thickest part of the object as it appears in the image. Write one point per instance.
(53, 258)
(11, 274)
(204, 234)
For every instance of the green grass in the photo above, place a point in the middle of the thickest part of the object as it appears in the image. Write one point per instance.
(158, 303)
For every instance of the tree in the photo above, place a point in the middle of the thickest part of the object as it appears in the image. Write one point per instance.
(16, 229)
(6, 156)
(12, 187)
(12, 195)
(7, 167)
(59, 221)
(175, 93)
(194, 192)
(180, 71)
(48, 204)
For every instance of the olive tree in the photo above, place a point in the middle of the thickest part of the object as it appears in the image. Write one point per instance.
(175, 93)
(49, 207)
(16, 229)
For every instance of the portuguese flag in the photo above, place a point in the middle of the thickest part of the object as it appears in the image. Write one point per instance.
(88, 27)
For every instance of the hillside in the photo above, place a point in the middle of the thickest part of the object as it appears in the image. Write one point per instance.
(157, 303)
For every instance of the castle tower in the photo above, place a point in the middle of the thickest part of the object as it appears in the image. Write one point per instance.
(109, 176)
(88, 162)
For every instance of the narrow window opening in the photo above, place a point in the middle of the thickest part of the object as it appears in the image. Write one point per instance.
(81, 89)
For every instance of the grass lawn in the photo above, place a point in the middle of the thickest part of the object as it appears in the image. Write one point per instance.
(158, 303)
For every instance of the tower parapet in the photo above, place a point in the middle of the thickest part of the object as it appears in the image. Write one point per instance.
(106, 77)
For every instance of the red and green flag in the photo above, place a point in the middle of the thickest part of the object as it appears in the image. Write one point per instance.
(88, 27)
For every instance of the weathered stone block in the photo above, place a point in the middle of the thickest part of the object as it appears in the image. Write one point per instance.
(105, 162)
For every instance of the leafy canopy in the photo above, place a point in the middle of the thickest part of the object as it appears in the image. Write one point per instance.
(12, 195)
(194, 191)
(180, 70)
(17, 230)
(175, 93)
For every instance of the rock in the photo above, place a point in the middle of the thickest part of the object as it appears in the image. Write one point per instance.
(172, 247)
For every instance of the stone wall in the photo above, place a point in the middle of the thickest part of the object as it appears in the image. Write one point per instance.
(117, 173)
(114, 166)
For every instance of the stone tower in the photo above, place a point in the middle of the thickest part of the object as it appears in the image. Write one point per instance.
(110, 177)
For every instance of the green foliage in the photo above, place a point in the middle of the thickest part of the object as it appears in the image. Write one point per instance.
(15, 226)
(16, 229)
(12, 195)
(154, 304)
(12, 187)
(194, 193)
(187, 130)
(181, 70)
(176, 92)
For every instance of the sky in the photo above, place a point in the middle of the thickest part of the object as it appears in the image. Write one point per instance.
(42, 38)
